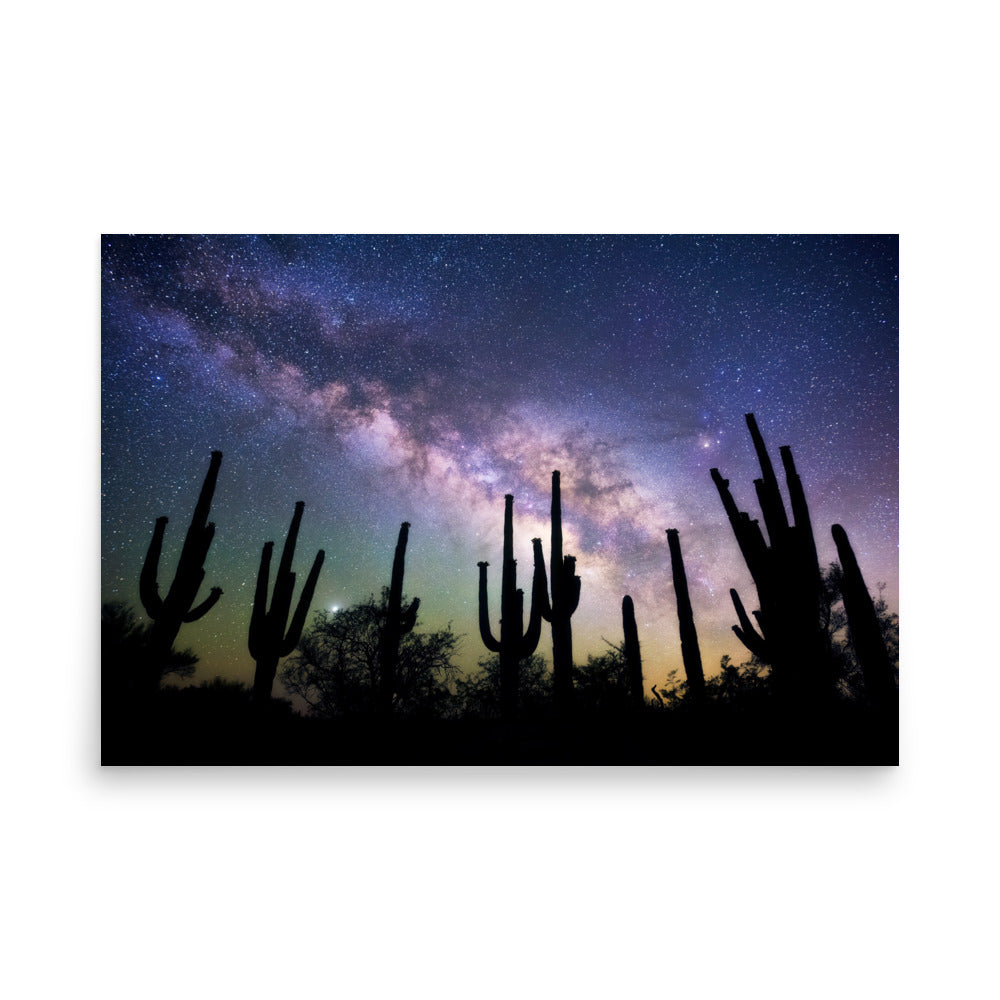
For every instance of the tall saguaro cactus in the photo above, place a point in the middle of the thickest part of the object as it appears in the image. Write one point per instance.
(866, 635)
(397, 623)
(785, 570)
(565, 587)
(268, 640)
(515, 642)
(633, 659)
(690, 652)
(170, 612)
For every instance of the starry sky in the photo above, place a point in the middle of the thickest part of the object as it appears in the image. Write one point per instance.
(420, 378)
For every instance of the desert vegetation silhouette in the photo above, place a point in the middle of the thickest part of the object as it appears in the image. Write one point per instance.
(366, 684)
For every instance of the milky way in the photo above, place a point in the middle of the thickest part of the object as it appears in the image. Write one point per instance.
(420, 378)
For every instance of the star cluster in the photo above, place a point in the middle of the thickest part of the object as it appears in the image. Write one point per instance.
(421, 378)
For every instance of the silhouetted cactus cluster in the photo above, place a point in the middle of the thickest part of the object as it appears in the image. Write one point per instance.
(785, 570)
(788, 633)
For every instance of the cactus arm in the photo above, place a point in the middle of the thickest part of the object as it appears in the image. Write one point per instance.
(258, 617)
(305, 599)
(533, 633)
(796, 494)
(200, 516)
(541, 595)
(745, 631)
(408, 618)
(728, 503)
(574, 585)
(544, 604)
(196, 550)
(206, 605)
(748, 534)
(288, 551)
(484, 613)
(772, 507)
(741, 613)
(149, 591)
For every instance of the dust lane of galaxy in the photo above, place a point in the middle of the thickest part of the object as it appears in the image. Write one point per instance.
(420, 378)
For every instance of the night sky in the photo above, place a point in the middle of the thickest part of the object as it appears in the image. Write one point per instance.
(420, 378)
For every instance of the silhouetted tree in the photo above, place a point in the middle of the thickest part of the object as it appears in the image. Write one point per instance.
(480, 695)
(516, 643)
(170, 612)
(604, 683)
(268, 640)
(336, 669)
(131, 660)
(741, 684)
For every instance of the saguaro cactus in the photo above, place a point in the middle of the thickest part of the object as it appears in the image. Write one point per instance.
(786, 573)
(866, 635)
(268, 640)
(397, 623)
(690, 653)
(633, 659)
(170, 612)
(565, 587)
(515, 643)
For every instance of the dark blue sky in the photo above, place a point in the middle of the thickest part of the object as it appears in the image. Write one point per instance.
(421, 378)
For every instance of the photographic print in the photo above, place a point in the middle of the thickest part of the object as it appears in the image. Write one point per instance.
(500, 499)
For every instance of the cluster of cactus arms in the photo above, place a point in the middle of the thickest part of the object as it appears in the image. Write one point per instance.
(866, 634)
(269, 641)
(789, 635)
(397, 624)
(170, 612)
(515, 643)
(565, 587)
(690, 653)
(633, 659)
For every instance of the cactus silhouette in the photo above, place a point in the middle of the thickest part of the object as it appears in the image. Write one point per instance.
(515, 642)
(268, 640)
(866, 635)
(690, 653)
(170, 612)
(565, 588)
(785, 570)
(633, 660)
(397, 623)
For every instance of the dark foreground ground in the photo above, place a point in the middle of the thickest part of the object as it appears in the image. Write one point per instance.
(172, 730)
